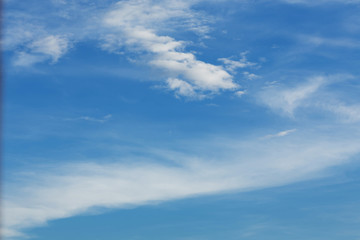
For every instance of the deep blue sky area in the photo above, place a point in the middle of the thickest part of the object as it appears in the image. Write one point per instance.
(181, 120)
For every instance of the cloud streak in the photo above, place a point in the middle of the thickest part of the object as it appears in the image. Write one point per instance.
(187, 76)
(91, 119)
(280, 134)
(40, 195)
(316, 93)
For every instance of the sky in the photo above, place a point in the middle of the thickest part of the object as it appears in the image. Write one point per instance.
(181, 120)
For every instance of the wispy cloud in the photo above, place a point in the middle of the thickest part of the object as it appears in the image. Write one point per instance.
(251, 76)
(240, 93)
(47, 32)
(137, 23)
(345, 112)
(47, 48)
(66, 190)
(27, 59)
(54, 46)
(279, 134)
(231, 65)
(287, 100)
(317, 93)
(91, 119)
(142, 28)
(332, 42)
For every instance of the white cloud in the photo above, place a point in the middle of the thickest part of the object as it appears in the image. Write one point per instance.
(232, 65)
(203, 76)
(42, 49)
(287, 100)
(66, 190)
(138, 23)
(142, 27)
(240, 93)
(181, 88)
(346, 113)
(50, 29)
(53, 46)
(317, 94)
(146, 12)
(280, 134)
(25, 59)
(91, 119)
(251, 76)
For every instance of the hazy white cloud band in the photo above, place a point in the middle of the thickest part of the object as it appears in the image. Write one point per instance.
(38, 196)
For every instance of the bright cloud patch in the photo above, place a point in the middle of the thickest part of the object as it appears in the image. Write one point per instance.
(136, 22)
(181, 88)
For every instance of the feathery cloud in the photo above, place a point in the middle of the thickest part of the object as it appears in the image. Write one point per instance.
(91, 119)
(280, 134)
(316, 93)
(70, 189)
(231, 65)
(50, 47)
(287, 100)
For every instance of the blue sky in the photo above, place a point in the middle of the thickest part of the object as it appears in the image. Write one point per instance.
(168, 119)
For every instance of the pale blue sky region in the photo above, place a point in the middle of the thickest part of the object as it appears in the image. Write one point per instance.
(174, 119)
